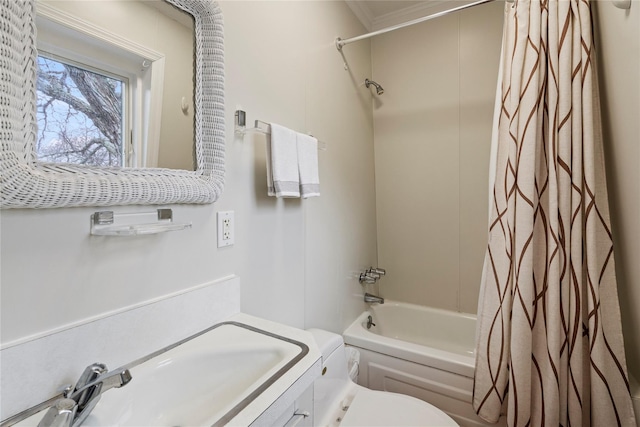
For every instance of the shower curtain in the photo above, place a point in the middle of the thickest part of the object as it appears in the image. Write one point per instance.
(549, 341)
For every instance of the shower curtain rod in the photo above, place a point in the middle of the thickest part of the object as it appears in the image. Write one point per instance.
(340, 42)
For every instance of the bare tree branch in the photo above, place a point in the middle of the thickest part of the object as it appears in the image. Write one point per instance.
(98, 91)
(87, 94)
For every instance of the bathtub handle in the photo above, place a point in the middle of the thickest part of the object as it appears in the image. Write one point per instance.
(366, 278)
(378, 271)
(370, 275)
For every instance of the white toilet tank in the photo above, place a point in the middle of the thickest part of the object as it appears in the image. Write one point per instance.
(334, 357)
(334, 385)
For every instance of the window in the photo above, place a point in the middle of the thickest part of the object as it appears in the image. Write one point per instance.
(80, 113)
(99, 95)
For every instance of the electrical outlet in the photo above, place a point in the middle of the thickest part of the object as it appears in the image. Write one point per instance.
(226, 236)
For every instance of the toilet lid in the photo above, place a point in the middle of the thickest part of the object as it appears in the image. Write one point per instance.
(383, 409)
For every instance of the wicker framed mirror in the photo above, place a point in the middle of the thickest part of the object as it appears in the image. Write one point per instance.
(27, 183)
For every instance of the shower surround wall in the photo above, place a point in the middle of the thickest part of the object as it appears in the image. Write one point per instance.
(432, 132)
(618, 43)
(432, 139)
(296, 259)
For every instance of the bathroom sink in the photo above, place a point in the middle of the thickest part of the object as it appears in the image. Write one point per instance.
(204, 380)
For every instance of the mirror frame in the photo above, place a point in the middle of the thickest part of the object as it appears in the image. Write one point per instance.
(28, 183)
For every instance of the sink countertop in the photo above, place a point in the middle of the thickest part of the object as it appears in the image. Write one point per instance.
(270, 404)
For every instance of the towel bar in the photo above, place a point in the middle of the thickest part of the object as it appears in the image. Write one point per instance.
(261, 127)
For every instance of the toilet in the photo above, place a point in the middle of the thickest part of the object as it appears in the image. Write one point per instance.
(338, 401)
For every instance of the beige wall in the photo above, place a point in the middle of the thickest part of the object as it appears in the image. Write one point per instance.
(618, 44)
(432, 139)
(296, 259)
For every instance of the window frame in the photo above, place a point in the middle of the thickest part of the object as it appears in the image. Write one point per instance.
(126, 123)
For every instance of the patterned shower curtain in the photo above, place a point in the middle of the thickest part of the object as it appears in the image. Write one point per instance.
(550, 347)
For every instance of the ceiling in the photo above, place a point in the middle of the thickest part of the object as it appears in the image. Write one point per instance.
(378, 14)
(379, 8)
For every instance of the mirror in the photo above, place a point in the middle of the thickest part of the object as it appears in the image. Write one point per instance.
(115, 83)
(28, 182)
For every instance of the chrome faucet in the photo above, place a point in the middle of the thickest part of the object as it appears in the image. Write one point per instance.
(76, 406)
(371, 275)
(370, 298)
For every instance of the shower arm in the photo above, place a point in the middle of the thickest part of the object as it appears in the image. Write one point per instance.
(379, 89)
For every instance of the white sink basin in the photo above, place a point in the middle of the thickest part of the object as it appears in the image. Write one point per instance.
(204, 381)
(247, 371)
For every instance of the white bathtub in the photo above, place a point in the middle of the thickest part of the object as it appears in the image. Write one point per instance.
(420, 351)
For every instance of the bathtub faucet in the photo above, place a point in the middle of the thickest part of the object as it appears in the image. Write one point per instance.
(371, 275)
(373, 299)
(378, 271)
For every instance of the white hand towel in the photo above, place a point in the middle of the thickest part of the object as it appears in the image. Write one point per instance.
(308, 166)
(282, 163)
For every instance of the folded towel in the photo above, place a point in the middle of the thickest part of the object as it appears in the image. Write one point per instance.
(282, 163)
(308, 165)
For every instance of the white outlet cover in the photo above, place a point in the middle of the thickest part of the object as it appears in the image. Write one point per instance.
(225, 229)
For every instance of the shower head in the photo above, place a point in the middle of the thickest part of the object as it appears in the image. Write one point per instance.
(379, 89)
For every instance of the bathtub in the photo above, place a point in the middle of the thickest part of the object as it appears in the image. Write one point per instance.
(420, 351)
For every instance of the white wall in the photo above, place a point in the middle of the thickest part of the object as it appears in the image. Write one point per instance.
(297, 260)
(618, 55)
(432, 140)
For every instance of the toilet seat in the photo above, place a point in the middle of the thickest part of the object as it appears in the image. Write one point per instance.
(371, 408)
(339, 402)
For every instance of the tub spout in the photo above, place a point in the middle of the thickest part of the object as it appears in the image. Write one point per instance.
(370, 298)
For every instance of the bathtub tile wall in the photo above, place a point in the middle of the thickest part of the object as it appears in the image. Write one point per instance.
(432, 132)
(416, 149)
(478, 29)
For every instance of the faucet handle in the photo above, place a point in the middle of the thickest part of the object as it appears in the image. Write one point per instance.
(378, 271)
(365, 278)
(89, 375)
